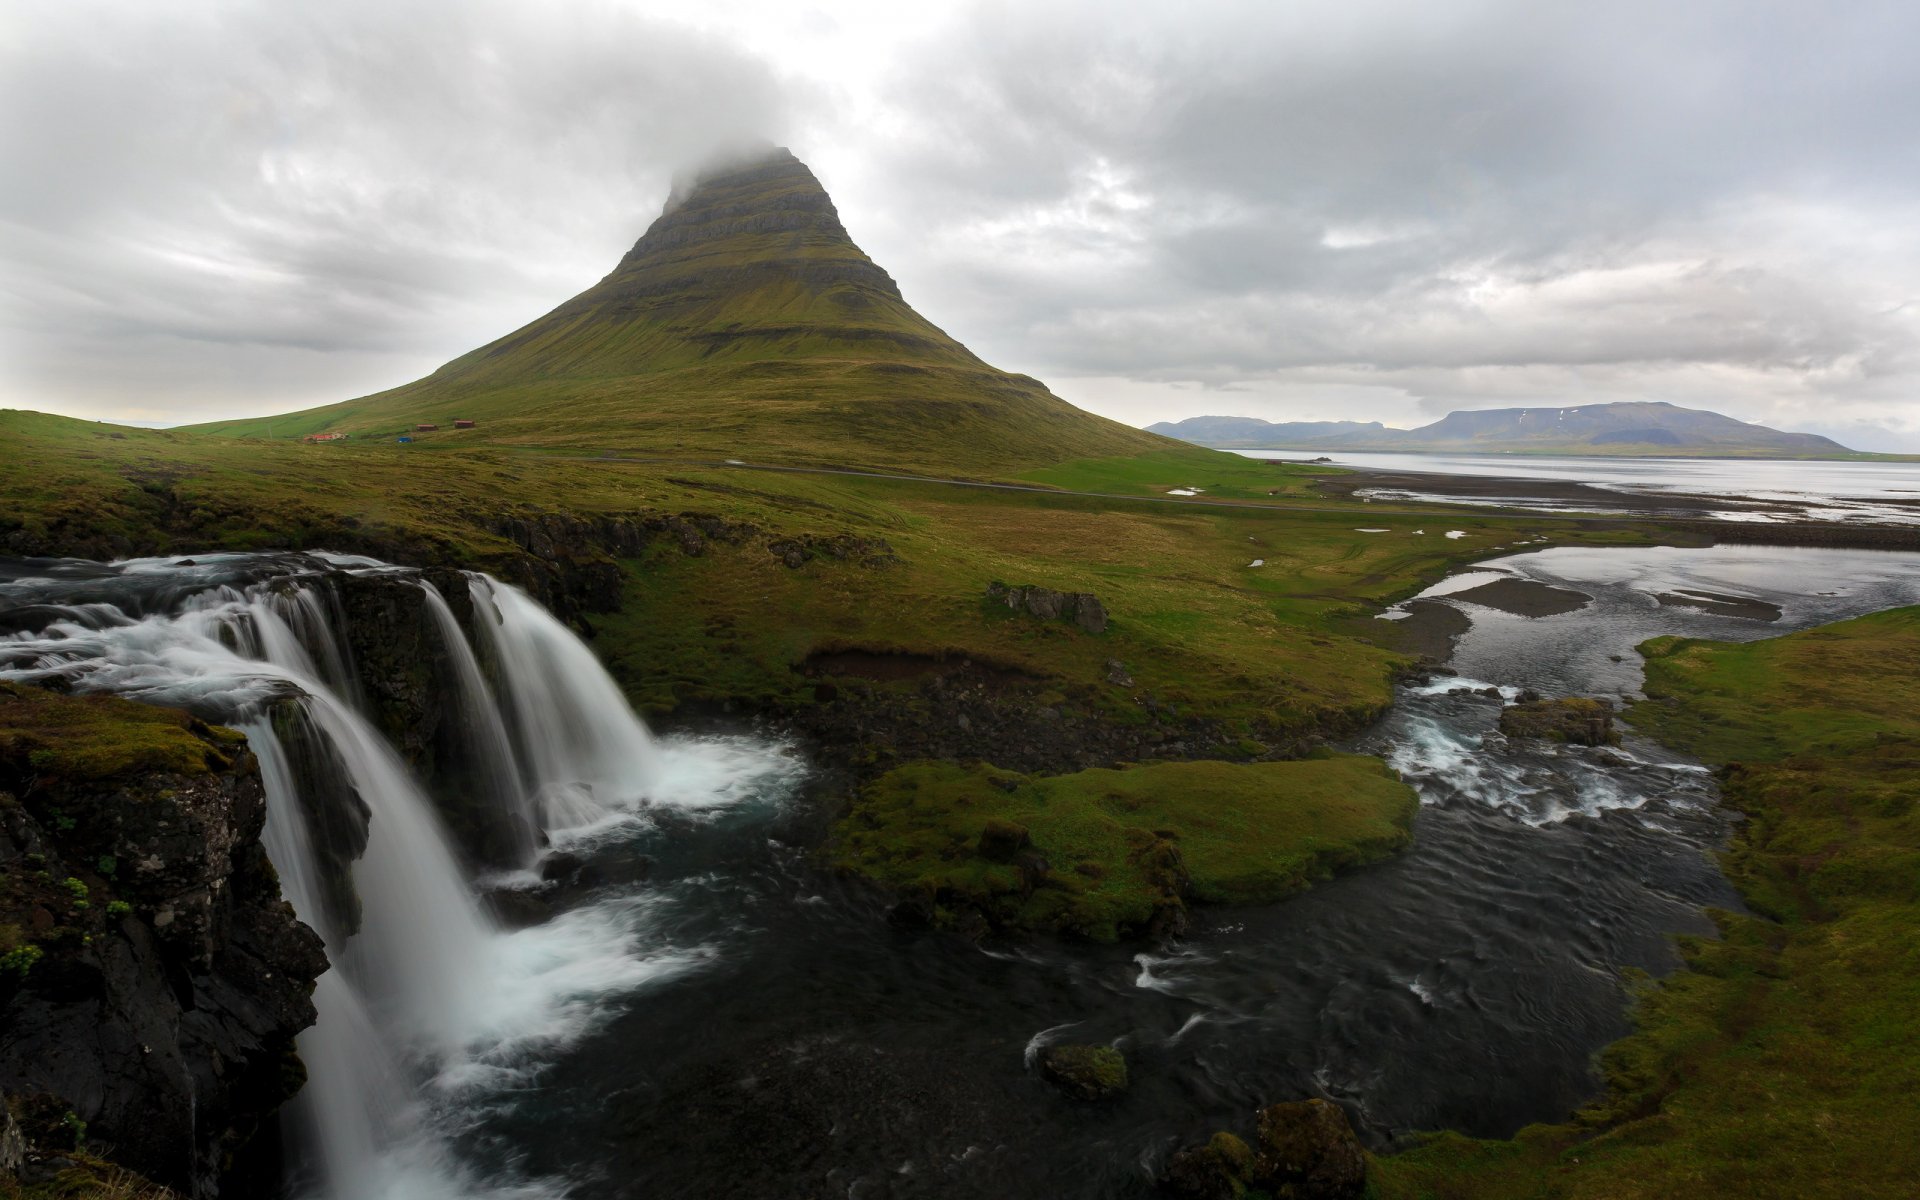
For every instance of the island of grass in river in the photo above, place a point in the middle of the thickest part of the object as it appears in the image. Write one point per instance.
(1100, 853)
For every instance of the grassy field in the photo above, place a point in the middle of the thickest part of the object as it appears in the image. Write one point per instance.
(1193, 621)
(1782, 1063)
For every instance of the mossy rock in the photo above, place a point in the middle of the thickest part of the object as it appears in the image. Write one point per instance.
(1219, 1170)
(1576, 720)
(94, 737)
(1085, 1072)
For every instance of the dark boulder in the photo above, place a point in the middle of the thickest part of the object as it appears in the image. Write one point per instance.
(1303, 1150)
(1576, 720)
(1306, 1150)
(1085, 1072)
(1218, 1170)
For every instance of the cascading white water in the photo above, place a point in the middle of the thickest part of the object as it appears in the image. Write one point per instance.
(426, 997)
(483, 730)
(583, 751)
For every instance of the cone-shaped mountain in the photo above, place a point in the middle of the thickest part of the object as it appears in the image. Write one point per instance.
(744, 323)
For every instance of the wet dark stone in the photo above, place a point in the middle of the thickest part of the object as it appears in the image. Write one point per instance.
(1306, 1150)
(1084, 1072)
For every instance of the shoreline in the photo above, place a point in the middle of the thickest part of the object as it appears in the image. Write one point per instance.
(1680, 511)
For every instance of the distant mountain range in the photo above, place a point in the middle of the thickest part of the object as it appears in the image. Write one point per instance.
(1633, 428)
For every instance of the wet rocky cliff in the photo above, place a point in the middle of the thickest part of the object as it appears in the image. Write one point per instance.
(152, 979)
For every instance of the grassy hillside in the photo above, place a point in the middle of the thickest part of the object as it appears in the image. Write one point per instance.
(745, 324)
(1782, 1064)
(1191, 617)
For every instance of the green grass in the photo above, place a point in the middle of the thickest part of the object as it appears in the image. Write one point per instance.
(1785, 1061)
(1121, 845)
(1288, 645)
(1157, 472)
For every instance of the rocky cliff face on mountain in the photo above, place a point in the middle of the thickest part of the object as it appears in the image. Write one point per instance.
(1624, 428)
(152, 979)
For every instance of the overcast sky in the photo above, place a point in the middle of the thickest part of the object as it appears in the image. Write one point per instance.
(1376, 211)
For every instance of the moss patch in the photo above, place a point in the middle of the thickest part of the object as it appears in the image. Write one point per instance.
(1113, 850)
(1085, 1072)
(92, 737)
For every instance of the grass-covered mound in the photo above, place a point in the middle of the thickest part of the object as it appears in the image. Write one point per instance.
(1102, 852)
(1786, 1061)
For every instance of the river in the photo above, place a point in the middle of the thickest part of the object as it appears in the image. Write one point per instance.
(720, 1017)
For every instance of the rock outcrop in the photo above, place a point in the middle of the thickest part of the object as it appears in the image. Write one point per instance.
(1218, 1170)
(153, 978)
(1304, 1150)
(1577, 720)
(1080, 608)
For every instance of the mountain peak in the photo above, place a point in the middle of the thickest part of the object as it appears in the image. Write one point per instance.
(766, 207)
(727, 167)
(745, 321)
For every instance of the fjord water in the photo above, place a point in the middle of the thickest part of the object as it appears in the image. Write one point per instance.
(1752, 489)
(741, 1023)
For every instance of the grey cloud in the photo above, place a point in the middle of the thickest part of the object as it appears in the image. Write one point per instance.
(373, 183)
(1392, 203)
(1532, 149)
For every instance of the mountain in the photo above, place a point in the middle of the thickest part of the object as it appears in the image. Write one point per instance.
(1251, 431)
(1630, 428)
(745, 323)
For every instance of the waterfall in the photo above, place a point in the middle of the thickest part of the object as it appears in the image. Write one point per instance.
(583, 752)
(425, 995)
(493, 766)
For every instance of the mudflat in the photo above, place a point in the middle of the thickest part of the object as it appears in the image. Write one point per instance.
(1430, 627)
(1721, 604)
(1525, 598)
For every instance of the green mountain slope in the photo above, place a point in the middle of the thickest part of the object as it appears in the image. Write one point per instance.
(747, 324)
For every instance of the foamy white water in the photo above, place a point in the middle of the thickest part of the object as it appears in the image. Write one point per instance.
(583, 751)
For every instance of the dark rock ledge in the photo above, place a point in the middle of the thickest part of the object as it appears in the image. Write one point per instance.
(152, 979)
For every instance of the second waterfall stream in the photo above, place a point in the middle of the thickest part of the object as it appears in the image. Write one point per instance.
(431, 1007)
